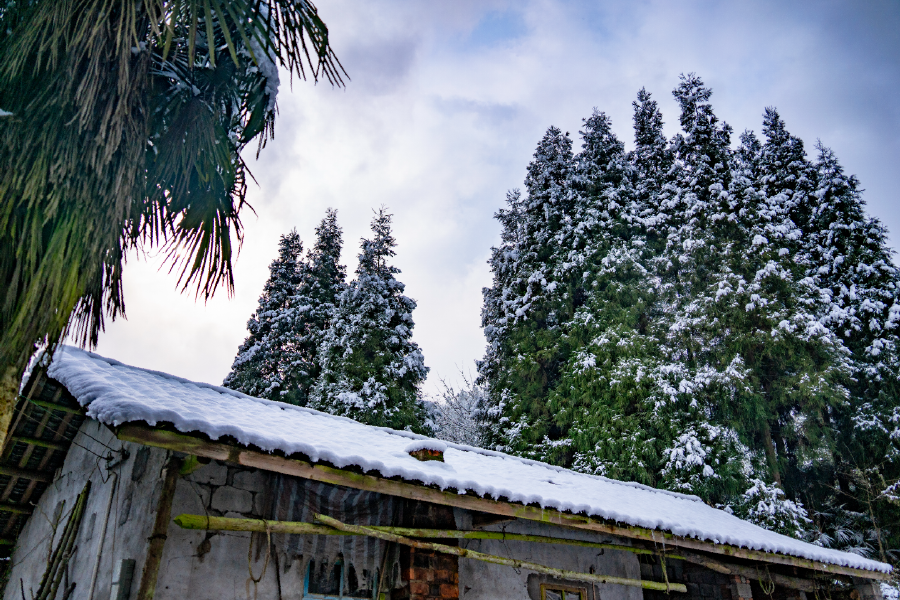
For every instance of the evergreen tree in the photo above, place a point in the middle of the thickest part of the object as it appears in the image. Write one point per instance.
(527, 304)
(315, 302)
(370, 367)
(712, 320)
(651, 162)
(849, 258)
(264, 366)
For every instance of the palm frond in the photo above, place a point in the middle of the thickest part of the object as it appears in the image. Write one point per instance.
(129, 119)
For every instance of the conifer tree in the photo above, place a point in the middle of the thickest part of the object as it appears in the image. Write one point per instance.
(712, 320)
(651, 163)
(315, 302)
(264, 365)
(371, 369)
(527, 304)
(849, 258)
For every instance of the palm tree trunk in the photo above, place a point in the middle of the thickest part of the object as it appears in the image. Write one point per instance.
(9, 392)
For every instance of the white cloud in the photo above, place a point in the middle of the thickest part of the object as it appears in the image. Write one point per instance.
(445, 104)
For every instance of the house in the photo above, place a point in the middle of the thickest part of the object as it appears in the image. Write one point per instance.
(120, 483)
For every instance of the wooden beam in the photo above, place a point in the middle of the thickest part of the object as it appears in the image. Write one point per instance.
(500, 560)
(54, 406)
(150, 574)
(189, 444)
(41, 443)
(26, 473)
(19, 509)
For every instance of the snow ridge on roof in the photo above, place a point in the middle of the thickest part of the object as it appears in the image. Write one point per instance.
(116, 393)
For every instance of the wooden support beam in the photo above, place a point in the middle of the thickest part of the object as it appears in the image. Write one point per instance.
(189, 444)
(20, 509)
(54, 406)
(26, 474)
(41, 443)
(150, 573)
(499, 560)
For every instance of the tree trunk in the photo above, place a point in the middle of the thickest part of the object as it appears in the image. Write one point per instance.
(9, 392)
(771, 457)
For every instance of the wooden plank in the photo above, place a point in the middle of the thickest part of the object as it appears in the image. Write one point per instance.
(43, 443)
(218, 451)
(150, 574)
(26, 474)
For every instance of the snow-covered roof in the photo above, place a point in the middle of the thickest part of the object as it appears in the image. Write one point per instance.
(116, 393)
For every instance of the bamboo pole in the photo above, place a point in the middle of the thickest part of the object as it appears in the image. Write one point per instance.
(499, 560)
(59, 559)
(204, 522)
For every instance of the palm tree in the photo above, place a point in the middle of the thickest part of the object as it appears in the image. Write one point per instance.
(121, 127)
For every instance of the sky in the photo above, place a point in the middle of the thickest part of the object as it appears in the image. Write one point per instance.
(441, 112)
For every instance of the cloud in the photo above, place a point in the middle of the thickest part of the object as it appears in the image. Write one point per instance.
(441, 115)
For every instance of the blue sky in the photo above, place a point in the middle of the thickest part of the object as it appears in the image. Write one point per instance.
(445, 103)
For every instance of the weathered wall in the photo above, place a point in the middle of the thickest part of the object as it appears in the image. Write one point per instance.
(194, 565)
(136, 485)
(484, 581)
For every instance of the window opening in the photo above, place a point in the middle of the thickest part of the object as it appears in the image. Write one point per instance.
(552, 591)
(328, 582)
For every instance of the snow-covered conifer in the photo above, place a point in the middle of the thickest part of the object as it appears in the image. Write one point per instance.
(324, 278)
(371, 369)
(264, 366)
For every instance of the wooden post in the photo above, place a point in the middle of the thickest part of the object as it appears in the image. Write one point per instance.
(160, 527)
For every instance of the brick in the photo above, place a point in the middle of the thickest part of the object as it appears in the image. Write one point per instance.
(418, 587)
(449, 590)
(442, 575)
(434, 590)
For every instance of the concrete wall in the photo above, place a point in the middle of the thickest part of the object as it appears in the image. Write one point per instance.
(484, 581)
(128, 526)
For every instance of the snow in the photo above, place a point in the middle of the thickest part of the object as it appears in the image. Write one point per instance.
(425, 444)
(116, 393)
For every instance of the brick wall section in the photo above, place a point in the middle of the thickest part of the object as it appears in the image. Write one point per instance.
(428, 575)
(431, 576)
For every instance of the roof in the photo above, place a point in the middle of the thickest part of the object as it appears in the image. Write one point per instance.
(116, 394)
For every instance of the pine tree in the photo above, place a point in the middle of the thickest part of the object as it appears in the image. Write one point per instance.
(712, 320)
(371, 369)
(264, 363)
(315, 302)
